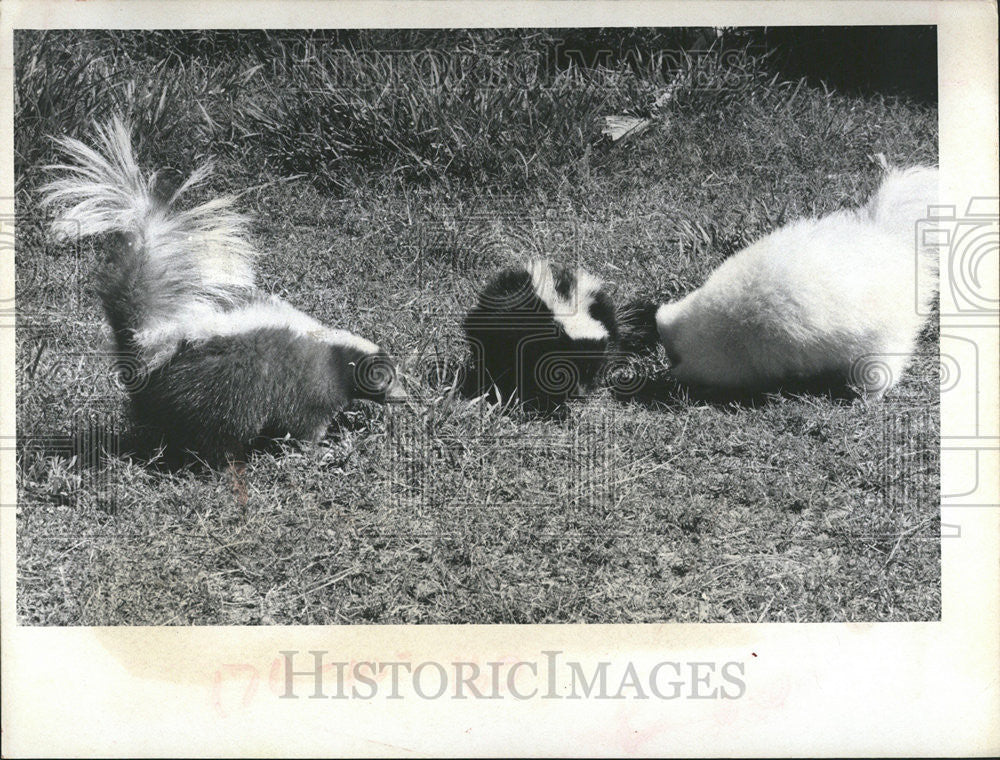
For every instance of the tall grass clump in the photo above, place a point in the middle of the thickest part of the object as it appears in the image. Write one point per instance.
(502, 108)
(67, 80)
(505, 109)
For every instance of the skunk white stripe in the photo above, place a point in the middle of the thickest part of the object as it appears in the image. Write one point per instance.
(572, 313)
(199, 323)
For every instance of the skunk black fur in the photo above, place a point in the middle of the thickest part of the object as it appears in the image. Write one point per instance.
(214, 364)
(539, 334)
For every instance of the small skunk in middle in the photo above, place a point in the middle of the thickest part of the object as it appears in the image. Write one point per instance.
(216, 365)
(844, 295)
(540, 334)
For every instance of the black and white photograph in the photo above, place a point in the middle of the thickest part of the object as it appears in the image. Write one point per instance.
(440, 331)
(605, 325)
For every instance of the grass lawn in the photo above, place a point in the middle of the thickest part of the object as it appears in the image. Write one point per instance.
(792, 508)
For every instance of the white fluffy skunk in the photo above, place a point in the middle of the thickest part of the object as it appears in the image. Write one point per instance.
(539, 334)
(843, 295)
(218, 365)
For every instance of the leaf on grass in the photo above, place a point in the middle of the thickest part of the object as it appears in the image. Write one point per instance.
(623, 127)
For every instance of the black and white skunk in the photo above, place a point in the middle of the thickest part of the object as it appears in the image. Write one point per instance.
(539, 334)
(841, 296)
(215, 364)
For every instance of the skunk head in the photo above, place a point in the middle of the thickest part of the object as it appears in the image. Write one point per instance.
(371, 374)
(360, 369)
(540, 333)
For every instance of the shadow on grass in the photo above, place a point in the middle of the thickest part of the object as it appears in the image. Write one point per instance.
(654, 387)
(644, 380)
(467, 381)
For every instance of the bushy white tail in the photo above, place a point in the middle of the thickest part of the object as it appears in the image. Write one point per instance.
(903, 199)
(163, 262)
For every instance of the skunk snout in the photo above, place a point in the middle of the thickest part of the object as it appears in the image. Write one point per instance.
(395, 393)
(375, 379)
